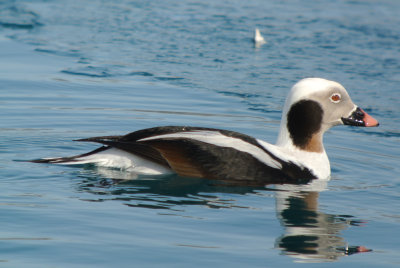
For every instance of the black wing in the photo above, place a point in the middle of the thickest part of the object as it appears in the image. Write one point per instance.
(192, 158)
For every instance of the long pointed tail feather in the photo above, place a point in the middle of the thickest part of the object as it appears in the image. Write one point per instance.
(100, 139)
(77, 159)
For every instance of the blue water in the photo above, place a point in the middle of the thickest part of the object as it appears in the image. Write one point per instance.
(76, 69)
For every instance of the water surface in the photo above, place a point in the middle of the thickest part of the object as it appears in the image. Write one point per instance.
(75, 69)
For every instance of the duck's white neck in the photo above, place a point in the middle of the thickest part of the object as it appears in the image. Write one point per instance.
(312, 156)
(284, 139)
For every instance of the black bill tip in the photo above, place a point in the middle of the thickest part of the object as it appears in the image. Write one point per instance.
(360, 118)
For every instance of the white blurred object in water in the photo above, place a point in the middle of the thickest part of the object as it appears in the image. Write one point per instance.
(258, 38)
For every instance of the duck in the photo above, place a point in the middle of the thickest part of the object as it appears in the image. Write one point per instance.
(312, 106)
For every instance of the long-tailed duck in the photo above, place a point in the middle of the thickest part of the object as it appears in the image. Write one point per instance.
(312, 107)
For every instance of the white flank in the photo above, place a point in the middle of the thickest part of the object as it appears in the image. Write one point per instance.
(218, 139)
(115, 158)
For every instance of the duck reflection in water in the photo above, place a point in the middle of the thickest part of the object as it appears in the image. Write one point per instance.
(310, 235)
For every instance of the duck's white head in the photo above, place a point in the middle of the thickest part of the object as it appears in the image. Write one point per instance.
(313, 106)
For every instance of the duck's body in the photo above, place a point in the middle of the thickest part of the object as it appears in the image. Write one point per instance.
(313, 106)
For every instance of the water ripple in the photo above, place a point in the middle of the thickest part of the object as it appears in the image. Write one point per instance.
(17, 17)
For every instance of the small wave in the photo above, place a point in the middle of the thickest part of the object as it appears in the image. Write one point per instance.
(383, 134)
(164, 78)
(243, 95)
(381, 32)
(219, 61)
(89, 71)
(17, 17)
(70, 53)
(141, 74)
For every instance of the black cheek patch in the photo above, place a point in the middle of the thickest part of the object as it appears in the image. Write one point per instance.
(303, 120)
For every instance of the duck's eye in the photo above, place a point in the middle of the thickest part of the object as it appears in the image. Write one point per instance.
(335, 98)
